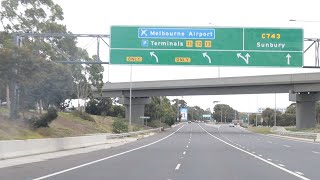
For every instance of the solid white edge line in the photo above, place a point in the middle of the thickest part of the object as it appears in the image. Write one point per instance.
(257, 157)
(178, 166)
(109, 157)
(299, 173)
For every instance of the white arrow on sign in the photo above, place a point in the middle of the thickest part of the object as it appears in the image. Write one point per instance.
(246, 58)
(288, 58)
(155, 56)
(205, 55)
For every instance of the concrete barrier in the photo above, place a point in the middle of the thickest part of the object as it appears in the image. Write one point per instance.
(18, 148)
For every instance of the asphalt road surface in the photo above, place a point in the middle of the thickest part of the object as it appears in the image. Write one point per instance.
(187, 152)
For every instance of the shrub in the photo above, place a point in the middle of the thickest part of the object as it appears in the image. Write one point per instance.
(44, 120)
(119, 126)
(83, 115)
(157, 124)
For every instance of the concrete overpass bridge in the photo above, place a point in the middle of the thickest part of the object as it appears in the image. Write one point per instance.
(304, 89)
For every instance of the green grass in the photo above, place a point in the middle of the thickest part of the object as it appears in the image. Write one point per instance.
(312, 130)
(261, 130)
(66, 125)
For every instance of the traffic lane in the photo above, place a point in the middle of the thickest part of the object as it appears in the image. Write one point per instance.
(289, 142)
(37, 169)
(209, 158)
(307, 147)
(298, 159)
(152, 162)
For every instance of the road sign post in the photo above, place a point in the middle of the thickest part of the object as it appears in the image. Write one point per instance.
(273, 47)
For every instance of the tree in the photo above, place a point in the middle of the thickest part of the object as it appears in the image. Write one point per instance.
(160, 108)
(227, 112)
(118, 111)
(291, 109)
(44, 16)
(32, 16)
(267, 116)
(101, 106)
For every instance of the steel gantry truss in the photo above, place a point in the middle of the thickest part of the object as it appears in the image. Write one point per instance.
(18, 38)
(315, 42)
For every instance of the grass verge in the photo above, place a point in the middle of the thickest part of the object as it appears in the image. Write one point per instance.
(261, 130)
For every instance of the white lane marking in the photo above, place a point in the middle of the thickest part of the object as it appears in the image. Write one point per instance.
(269, 142)
(281, 165)
(109, 157)
(299, 173)
(258, 139)
(260, 155)
(269, 159)
(257, 157)
(316, 152)
(189, 142)
(178, 166)
(286, 146)
(184, 153)
(187, 146)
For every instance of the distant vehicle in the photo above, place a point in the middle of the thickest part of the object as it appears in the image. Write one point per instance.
(189, 121)
(231, 125)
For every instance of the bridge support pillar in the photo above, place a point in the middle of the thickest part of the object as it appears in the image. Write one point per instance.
(137, 108)
(305, 109)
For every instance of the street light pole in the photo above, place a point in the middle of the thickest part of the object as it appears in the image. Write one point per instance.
(257, 113)
(275, 109)
(130, 101)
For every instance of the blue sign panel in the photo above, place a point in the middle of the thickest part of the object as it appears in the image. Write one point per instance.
(176, 33)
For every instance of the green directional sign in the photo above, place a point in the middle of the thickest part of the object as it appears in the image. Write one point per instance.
(207, 46)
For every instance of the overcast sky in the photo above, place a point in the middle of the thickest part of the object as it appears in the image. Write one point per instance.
(96, 16)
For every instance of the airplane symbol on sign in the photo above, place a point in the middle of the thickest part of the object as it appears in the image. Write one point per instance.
(144, 32)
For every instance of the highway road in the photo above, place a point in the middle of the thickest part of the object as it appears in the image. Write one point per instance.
(186, 152)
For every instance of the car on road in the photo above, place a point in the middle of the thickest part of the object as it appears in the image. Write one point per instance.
(189, 121)
(231, 125)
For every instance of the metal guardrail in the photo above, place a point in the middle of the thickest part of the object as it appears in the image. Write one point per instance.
(111, 136)
(305, 135)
